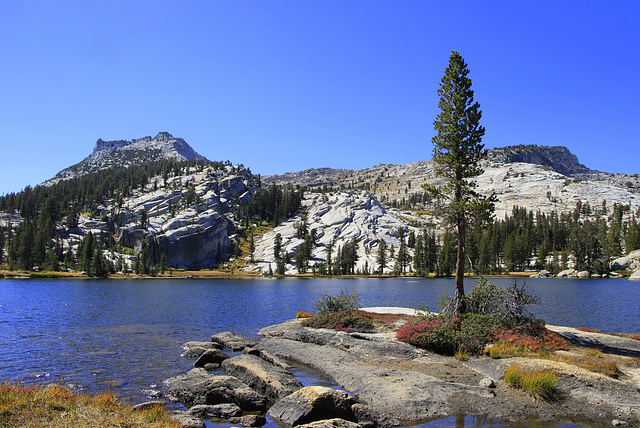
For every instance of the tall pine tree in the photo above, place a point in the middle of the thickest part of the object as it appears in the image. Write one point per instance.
(457, 151)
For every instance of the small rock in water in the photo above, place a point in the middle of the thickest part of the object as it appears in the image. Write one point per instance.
(152, 393)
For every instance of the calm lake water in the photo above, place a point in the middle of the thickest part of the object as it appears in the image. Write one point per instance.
(126, 335)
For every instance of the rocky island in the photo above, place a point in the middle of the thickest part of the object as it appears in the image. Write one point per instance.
(388, 383)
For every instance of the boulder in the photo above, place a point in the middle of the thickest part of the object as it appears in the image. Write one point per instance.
(249, 421)
(223, 410)
(635, 276)
(313, 403)
(211, 356)
(187, 421)
(583, 274)
(200, 387)
(233, 342)
(541, 274)
(331, 423)
(567, 273)
(271, 381)
(194, 352)
(621, 263)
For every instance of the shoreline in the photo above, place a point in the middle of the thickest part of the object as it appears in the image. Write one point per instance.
(182, 274)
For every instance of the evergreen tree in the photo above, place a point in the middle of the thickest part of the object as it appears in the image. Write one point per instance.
(277, 247)
(457, 152)
(382, 256)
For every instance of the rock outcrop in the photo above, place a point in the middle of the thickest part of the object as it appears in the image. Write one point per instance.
(200, 387)
(337, 219)
(393, 381)
(311, 404)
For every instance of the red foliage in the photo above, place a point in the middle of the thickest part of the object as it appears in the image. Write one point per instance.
(543, 339)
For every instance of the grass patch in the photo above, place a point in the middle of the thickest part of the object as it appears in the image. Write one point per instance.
(592, 360)
(540, 384)
(55, 406)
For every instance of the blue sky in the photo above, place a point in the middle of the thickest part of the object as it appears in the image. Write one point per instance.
(283, 86)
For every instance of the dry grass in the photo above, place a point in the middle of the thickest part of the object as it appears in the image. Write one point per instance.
(541, 384)
(55, 406)
(590, 359)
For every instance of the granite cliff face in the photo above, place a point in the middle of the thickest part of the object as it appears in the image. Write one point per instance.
(188, 216)
(337, 218)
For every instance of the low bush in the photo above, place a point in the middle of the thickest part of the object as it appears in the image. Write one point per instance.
(493, 313)
(530, 337)
(445, 335)
(302, 314)
(541, 384)
(340, 303)
(349, 321)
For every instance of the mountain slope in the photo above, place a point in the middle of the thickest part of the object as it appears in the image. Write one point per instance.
(122, 153)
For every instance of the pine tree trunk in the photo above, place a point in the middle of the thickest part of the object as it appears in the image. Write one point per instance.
(459, 303)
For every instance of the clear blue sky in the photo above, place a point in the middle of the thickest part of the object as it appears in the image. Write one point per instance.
(287, 85)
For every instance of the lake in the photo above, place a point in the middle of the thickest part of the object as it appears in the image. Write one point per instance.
(125, 335)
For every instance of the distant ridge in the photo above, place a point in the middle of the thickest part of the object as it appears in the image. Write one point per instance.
(558, 158)
(123, 153)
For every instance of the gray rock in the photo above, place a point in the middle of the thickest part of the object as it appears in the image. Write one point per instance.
(268, 357)
(148, 405)
(487, 383)
(223, 410)
(567, 273)
(187, 421)
(194, 352)
(619, 423)
(368, 416)
(584, 274)
(635, 276)
(233, 342)
(408, 395)
(211, 356)
(331, 423)
(200, 387)
(249, 421)
(200, 344)
(313, 403)
(271, 381)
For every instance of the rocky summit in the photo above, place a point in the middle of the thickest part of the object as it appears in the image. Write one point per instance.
(122, 153)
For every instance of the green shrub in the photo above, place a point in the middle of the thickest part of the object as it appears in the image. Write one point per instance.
(349, 321)
(445, 335)
(340, 303)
